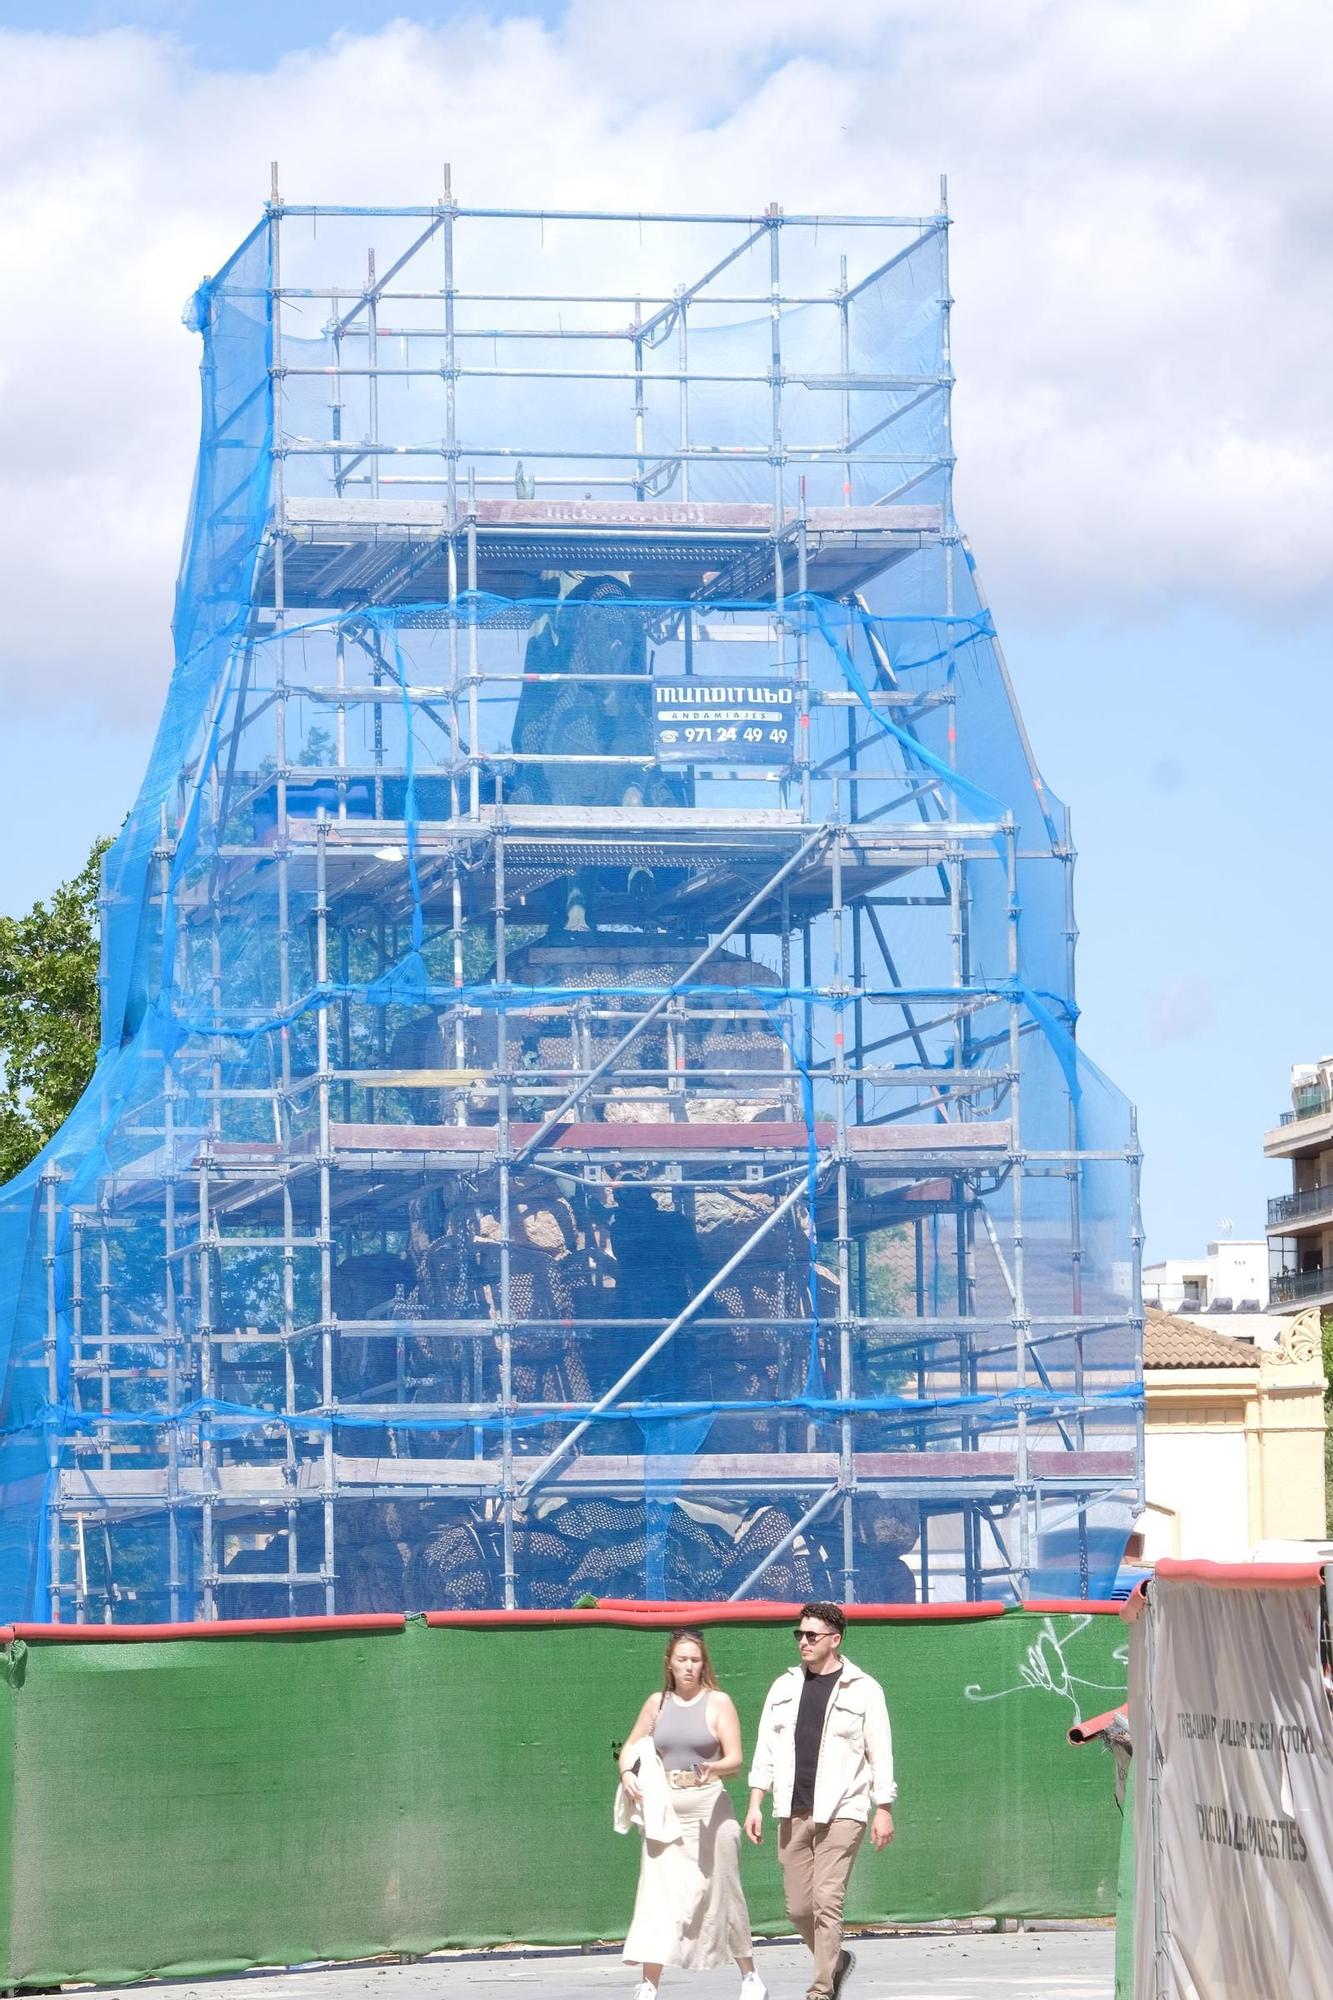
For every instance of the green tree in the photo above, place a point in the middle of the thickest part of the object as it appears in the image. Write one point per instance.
(48, 1013)
(888, 1268)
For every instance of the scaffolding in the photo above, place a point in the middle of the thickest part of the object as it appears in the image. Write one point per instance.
(589, 1097)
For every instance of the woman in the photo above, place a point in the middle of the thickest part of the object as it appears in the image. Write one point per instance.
(690, 1910)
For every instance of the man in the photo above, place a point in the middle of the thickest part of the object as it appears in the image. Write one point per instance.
(825, 1751)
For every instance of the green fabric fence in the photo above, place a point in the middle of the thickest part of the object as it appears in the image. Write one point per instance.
(189, 1806)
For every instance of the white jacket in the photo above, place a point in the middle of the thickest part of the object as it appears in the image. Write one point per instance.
(654, 1814)
(855, 1771)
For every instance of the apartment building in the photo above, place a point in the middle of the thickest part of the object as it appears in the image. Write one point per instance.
(1300, 1224)
(1230, 1277)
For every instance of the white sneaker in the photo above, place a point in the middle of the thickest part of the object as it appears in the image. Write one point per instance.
(753, 1987)
(645, 1990)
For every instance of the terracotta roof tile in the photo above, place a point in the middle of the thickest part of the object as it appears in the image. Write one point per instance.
(1173, 1341)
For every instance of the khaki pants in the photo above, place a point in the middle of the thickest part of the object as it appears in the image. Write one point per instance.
(816, 1861)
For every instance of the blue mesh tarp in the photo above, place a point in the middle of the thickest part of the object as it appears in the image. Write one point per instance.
(538, 1147)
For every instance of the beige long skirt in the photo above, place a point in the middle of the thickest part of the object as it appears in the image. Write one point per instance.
(690, 1909)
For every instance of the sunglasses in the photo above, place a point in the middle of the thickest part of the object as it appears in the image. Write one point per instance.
(803, 1632)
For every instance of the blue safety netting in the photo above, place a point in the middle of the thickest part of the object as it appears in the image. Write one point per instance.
(525, 1158)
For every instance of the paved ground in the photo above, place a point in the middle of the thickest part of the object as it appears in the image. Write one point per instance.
(1029, 1965)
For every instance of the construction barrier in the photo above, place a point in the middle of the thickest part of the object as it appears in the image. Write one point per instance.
(198, 1800)
(1230, 1714)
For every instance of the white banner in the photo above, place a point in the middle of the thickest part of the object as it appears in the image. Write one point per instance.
(1241, 1817)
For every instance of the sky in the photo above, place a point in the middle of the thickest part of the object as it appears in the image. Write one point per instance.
(1142, 198)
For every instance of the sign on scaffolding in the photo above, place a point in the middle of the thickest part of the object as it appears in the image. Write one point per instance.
(724, 722)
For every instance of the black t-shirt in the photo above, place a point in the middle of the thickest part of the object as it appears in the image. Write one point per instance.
(815, 1697)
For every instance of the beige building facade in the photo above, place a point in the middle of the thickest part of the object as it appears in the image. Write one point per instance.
(1234, 1451)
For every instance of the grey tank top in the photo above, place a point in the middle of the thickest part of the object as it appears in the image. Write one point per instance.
(682, 1735)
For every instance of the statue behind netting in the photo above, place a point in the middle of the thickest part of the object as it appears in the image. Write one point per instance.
(596, 639)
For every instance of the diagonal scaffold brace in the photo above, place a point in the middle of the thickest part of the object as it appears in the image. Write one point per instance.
(668, 1333)
(780, 1549)
(537, 1139)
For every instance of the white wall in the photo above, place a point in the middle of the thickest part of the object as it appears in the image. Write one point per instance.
(1197, 1493)
(1232, 1269)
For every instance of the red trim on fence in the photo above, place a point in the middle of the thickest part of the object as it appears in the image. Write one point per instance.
(1242, 1576)
(769, 1607)
(662, 1617)
(220, 1628)
(638, 1620)
(1089, 1731)
(1110, 1605)
(752, 1607)
(631, 1613)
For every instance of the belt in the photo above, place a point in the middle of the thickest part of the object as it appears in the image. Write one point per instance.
(688, 1781)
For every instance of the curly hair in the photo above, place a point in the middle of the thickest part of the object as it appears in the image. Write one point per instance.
(827, 1614)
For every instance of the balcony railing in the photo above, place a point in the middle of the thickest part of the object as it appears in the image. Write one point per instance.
(1287, 1287)
(1290, 1207)
(1312, 1103)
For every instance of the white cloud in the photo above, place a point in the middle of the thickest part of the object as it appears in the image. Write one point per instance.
(1140, 262)
(1182, 1010)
